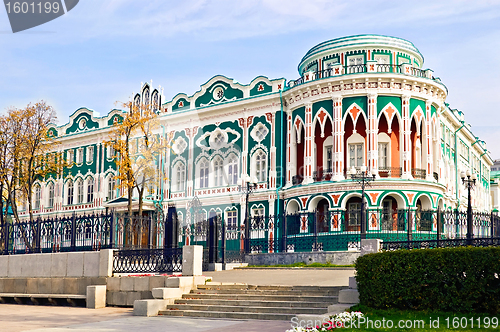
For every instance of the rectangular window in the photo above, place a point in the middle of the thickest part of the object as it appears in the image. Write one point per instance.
(90, 154)
(329, 159)
(90, 191)
(110, 152)
(232, 219)
(79, 156)
(51, 195)
(356, 155)
(382, 155)
(70, 156)
(354, 214)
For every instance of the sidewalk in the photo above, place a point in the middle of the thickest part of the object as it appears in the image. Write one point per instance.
(285, 277)
(18, 318)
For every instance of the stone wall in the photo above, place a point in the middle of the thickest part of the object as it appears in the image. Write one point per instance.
(58, 265)
(333, 257)
(74, 286)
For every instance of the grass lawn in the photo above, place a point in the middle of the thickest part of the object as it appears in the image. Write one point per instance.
(421, 321)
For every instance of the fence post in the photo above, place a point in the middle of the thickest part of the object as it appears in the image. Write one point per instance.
(492, 221)
(284, 229)
(38, 235)
(150, 233)
(315, 229)
(73, 232)
(409, 229)
(111, 229)
(6, 237)
(223, 240)
(438, 225)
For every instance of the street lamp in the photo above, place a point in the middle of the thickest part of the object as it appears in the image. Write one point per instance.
(469, 181)
(363, 177)
(247, 186)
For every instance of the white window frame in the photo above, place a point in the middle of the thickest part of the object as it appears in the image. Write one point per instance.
(260, 165)
(38, 197)
(90, 154)
(218, 167)
(232, 170)
(70, 155)
(180, 176)
(79, 191)
(50, 202)
(79, 156)
(110, 152)
(232, 219)
(90, 190)
(203, 172)
(70, 192)
(384, 139)
(111, 187)
(356, 140)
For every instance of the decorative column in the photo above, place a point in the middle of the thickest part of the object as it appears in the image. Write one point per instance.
(406, 138)
(271, 119)
(308, 172)
(290, 149)
(338, 140)
(430, 158)
(190, 133)
(372, 134)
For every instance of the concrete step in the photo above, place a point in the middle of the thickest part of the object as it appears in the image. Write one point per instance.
(228, 308)
(265, 292)
(263, 297)
(320, 289)
(228, 315)
(254, 303)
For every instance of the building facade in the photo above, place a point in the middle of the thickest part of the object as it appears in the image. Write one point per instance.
(360, 101)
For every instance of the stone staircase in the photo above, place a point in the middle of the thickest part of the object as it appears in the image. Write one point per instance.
(241, 301)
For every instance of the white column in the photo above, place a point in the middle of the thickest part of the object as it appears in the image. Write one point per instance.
(406, 172)
(429, 152)
(290, 150)
(372, 134)
(338, 140)
(308, 172)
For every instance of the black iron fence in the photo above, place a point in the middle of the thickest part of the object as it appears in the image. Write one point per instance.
(147, 260)
(154, 244)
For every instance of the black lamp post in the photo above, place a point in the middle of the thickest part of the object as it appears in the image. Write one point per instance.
(363, 177)
(469, 181)
(247, 186)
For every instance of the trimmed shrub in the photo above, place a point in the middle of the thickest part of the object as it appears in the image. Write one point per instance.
(449, 279)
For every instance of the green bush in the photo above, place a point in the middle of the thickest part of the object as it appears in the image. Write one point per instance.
(449, 279)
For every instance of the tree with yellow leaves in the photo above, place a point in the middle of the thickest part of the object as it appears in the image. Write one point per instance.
(26, 156)
(138, 150)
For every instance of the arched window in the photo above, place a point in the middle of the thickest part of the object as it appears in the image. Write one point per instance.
(111, 187)
(261, 166)
(204, 173)
(79, 188)
(218, 171)
(180, 176)
(50, 203)
(38, 194)
(90, 190)
(233, 170)
(70, 192)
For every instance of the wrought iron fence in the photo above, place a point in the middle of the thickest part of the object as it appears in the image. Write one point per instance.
(70, 233)
(147, 260)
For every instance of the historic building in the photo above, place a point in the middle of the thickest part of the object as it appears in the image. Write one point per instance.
(360, 101)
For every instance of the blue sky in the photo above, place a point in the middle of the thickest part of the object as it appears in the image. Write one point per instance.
(102, 50)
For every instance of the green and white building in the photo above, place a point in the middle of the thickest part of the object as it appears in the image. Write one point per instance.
(359, 100)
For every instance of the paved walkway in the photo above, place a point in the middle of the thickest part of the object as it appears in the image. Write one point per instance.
(17, 318)
(286, 277)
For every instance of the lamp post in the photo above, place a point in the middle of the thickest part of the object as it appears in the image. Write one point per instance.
(363, 177)
(247, 186)
(469, 181)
